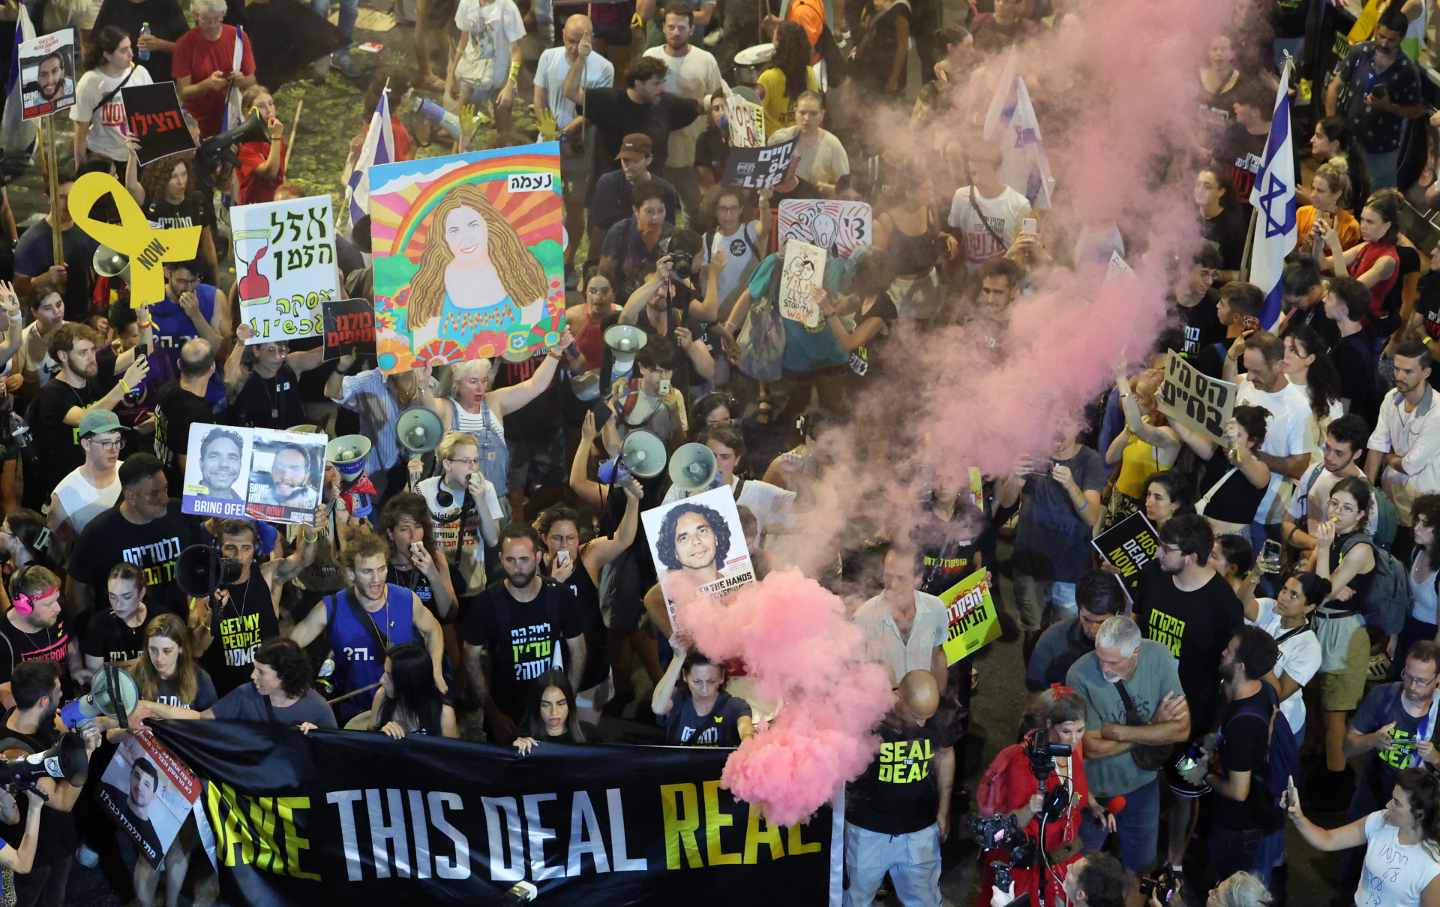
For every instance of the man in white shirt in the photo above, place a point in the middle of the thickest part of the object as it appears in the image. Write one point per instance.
(1406, 441)
(822, 157)
(693, 74)
(770, 504)
(1344, 445)
(1286, 449)
(987, 215)
(92, 487)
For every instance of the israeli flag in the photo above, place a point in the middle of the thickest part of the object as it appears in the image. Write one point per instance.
(1273, 198)
(379, 148)
(1011, 122)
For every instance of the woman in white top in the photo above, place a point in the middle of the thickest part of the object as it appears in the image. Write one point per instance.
(1307, 367)
(1402, 842)
(1287, 618)
(1422, 622)
(99, 111)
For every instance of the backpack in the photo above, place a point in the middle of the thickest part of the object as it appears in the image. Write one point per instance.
(1282, 762)
(762, 339)
(1388, 603)
(1387, 518)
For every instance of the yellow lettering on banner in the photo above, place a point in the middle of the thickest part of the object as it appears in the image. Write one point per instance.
(147, 247)
(285, 807)
(757, 832)
(262, 816)
(682, 820)
(234, 843)
(798, 847)
(714, 821)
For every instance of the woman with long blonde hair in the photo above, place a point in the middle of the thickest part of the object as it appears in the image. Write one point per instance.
(167, 672)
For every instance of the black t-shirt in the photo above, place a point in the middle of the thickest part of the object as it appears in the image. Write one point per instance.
(1315, 319)
(1201, 324)
(1196, 627)
(1244, 746)
(50, 644)
(117, 802)
(166, 21)
(167, 692)
(613, 202)
(585, 602)
(1355, 361)
(177, 410)
(521, 638)
(154, 548)
(1242, 154)
(269, 402)
(616, 116)
(59, 448)
(1228, 231)
(110, 639)
(718, 727)
(1428, 305)
(897, 793)
(865, 360)
(58, 835)
(236, 628)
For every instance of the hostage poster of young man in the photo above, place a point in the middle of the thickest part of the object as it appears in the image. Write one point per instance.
(323, 818)
(698, 545)
(148, 793)
(257, 472)
(469, 256)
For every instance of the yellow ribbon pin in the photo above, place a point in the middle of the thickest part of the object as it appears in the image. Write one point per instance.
(146, 246)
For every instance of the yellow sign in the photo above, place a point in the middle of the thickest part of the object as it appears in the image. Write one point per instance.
(972, 619)
(146, 246)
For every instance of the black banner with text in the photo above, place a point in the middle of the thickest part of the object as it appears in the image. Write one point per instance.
(311, 819)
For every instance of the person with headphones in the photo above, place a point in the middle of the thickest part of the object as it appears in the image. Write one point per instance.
(34, 628)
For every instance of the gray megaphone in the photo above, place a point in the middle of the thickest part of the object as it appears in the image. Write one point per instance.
(109, 263)
(419, 430)
(643, 454)
(692, 467)
(625, 340)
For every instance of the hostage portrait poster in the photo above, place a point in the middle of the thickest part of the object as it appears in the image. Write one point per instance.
(469, 256)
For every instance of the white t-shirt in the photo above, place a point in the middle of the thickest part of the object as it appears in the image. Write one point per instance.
(1299, 660)
(108, 126)
(822, 159)
(1395, 874)
(490, 28)
(1286, 435)
(738, 255)
(1004, 215)
(692, 76)
(1416, 437)
(882, 638)
(550, 75)
(81, 501)
(770, 504)
(1311, 507)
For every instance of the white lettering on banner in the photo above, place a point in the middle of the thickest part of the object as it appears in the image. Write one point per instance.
(538, 833)
(582, 810)
(500, 869)
(385, 834)
(427, 811)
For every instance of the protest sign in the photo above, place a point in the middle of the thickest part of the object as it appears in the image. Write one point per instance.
(972, 622)
(148, 792)
(153, 114)
(1191, 397)
(147, 247)
(349, 328)
(47, 74)
(840, 228)
(1128, 546)
(286, 252)
(698, 546)
(281, 471)
(747, 122)
(758, 168)
(803, 274)
(1117, 267)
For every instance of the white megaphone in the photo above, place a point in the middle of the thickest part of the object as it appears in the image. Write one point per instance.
(419, 430)
(625, 340)
(108, 263)
(347, 453)
(643, 454)
(692, 467)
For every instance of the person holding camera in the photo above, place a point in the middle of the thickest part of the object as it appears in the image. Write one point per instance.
(1041, 782)
(633, 245)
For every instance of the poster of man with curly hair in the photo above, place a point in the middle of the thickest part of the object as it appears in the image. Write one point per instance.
(469, 256)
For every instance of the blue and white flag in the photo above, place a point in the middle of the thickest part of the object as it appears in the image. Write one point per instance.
(379, 148)
(1273, 198)
(17, 134)
(1011, 123)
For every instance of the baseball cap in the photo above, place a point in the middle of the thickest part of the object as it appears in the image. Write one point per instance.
(97, 422)
(636, 143)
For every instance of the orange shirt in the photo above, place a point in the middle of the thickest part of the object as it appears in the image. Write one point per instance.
(1346, 225)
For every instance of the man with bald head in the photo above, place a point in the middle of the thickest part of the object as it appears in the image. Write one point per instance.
(895, 813)
(561, 78)
(181, 404)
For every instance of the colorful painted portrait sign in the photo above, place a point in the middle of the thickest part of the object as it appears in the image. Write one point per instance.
(469, 255)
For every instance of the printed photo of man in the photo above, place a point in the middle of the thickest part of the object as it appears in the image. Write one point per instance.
(133, 806)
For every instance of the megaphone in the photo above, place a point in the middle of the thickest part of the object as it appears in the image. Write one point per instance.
(65, 761)
(348, 453)
(625, 340)
(222, 146)
(200, 570)
(643, 454)
(692, 467)
(109, 263)
(419, 430)
(586, 385)
(113, 694)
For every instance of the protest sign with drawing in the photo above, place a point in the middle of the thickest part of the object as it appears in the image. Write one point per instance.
(971, 618)
(747, 122)
(1128, 546)
(698, 546)
(349, 328)
(153, 115)
(1191, 397)
(148, 792)
(257, 472)
(286, 253)
(803, 274)
(839, 227)
(47, 74)
(758, 168)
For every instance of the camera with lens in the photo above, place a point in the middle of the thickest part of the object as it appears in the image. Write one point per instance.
(1002, 832)
(1162, 886)
(1042, 754)
(682, 261)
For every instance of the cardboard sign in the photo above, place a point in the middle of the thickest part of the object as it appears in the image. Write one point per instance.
(973, 623)
(1117, 267)
(1128, 546)
(286, 254)
(758, 168)
(747, 122)
(148, 247)
(1200, 402)
(698, 546)
(153, 114)
(256, 472)
(840, 228)
(349, 328)
(804, 272)
(148, 792)
(47, 74)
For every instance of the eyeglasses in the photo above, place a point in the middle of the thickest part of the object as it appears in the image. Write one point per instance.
(1410, 680)
(112, 444)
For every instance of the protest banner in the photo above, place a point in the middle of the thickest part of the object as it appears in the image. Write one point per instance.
(758, 168)
(333, 816)
(698, 546)
(469, 256)
(802, 275)
(153, 114)
(1128, 546)
(148, 792)
(47, 74)
(349, 328)
(840, 228)
(286, 251)
(972, 622)
(282, 472)
(1191, 397)
(747, 122)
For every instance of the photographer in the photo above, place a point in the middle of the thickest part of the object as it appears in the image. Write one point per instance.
(1011, 784)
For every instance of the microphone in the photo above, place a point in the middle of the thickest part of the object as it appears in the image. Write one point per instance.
(1116, 805)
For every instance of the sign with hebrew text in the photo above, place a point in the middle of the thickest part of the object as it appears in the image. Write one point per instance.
(153, 116)
(1191, 397)
(285, 256)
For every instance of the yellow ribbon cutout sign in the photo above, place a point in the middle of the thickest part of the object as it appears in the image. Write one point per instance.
(146, 246)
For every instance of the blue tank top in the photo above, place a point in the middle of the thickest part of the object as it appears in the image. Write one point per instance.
(357, 661)
(172, 328)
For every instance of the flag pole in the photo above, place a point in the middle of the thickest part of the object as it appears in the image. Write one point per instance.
(52, 187)
(294, 128)
(1249, 247)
